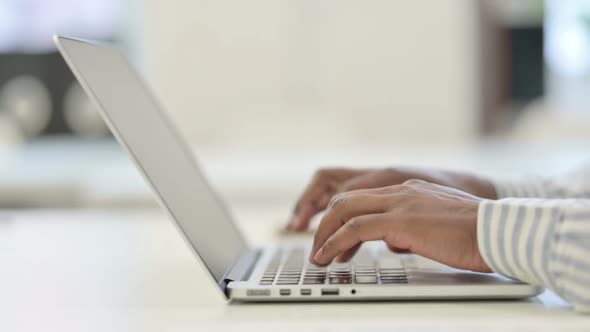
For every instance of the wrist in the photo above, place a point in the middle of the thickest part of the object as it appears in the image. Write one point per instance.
(478, 264)
(486, 189)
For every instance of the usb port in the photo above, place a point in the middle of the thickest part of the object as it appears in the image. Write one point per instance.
(285, 292)
(330, 291)
(306, 291)
(258, 292)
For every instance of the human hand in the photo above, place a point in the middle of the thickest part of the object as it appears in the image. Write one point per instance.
(431, 220)
(331, 181)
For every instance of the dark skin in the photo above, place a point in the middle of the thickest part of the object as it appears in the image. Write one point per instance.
(428, 212)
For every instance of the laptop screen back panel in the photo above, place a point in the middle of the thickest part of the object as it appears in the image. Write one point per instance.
(140, 125)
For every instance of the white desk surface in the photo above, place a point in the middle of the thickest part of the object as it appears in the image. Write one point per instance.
(95, 270)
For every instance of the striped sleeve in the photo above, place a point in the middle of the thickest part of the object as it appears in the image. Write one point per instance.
(575, 184)
(541, 242)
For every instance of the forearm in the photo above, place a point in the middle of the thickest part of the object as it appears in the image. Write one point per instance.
(542, 242)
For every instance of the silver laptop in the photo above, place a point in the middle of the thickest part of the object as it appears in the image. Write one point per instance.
(242, 272)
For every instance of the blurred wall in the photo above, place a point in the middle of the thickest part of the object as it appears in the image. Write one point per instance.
(307, 71)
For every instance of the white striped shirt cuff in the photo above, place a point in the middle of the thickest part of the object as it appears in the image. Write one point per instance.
(541, 242)
(574, 185)
(530, 189)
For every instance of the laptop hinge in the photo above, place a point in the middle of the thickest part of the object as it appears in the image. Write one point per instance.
(242, 268)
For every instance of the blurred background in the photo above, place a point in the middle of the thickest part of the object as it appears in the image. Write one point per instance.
(269, 90)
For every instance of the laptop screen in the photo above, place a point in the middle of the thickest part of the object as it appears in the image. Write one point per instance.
(164, 158)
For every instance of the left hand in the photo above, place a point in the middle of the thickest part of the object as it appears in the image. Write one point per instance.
(431, 220)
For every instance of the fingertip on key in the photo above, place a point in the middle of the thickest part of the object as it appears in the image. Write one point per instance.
(318, 256)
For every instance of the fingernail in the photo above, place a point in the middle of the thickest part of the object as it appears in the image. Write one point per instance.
(318, 255)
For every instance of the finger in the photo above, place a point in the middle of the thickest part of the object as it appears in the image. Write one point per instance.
(348, 254)
(324, 185)
(325, 200)
(309, 203)
(344, 207)
(401, 251)
(347, 205)
(318, 194)
(314, 188)
(397, 250)
(300, 224)
(376, 179)
(327, 177)
(303, 223)
(358, 230)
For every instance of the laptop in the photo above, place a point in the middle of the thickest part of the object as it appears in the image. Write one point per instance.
(244, 273)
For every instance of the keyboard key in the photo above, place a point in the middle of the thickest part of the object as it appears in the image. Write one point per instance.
(289, 277)
(292, 282)
(392, 269)
(316, 271)
(363, 258)
(292, 268)
(318, 268)
(393, 272)
(394, 281)
(341, 280)
(313, 281)
(393, 277)
(389, 260)
(365, 279)
(341, 269)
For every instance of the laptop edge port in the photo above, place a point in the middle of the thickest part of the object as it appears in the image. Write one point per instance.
(330, 291)
(258, 292)
(306, 291)
(285, 292)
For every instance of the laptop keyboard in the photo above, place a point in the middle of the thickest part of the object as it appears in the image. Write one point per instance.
(291, 267)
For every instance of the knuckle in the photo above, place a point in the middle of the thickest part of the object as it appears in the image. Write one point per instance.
(354, 225)
(338, 201)
(406, 188)
(398, 188)
(413, 182)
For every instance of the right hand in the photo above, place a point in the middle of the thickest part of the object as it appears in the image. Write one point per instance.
(328, 182)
